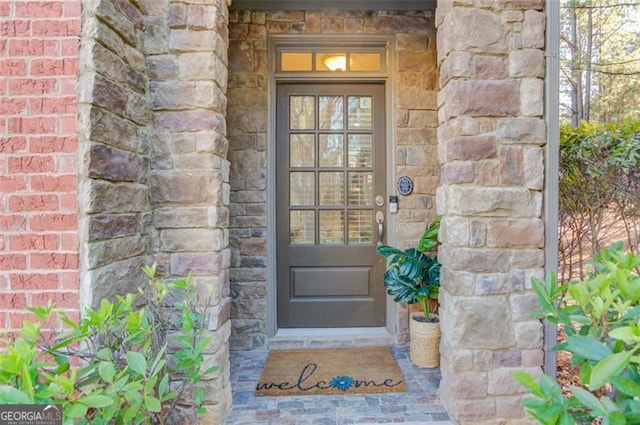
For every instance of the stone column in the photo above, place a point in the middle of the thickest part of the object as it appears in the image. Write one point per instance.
(491, 146)
(186, 47)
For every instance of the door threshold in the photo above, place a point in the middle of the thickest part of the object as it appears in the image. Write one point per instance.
(330, 338)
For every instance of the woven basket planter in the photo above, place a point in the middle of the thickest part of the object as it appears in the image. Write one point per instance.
(424, 348)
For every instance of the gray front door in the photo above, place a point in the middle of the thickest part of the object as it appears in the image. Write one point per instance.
(330, 173)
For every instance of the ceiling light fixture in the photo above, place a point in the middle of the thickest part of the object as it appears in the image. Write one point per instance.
(336, 63)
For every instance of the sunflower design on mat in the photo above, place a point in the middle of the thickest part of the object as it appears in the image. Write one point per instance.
(341, 382)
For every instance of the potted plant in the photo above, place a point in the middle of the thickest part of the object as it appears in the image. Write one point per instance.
(413, 277)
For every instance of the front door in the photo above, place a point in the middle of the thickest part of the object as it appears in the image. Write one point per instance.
(330, 198)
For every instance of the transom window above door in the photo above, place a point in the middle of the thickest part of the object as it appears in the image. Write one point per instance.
(329, 58)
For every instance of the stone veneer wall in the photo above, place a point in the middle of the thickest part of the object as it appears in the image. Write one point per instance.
(491, 144)
(154, 186)
(415, 78)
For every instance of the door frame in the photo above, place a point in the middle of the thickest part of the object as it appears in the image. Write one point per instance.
(273, 78)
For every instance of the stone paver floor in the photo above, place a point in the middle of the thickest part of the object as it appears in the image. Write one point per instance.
(420, 405)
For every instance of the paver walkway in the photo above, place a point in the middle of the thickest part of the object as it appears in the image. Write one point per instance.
(420, 405)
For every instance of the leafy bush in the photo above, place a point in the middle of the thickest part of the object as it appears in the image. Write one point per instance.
(601, 316)
(599, 185)
(115, 365)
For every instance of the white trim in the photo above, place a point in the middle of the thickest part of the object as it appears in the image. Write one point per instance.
(552, 109)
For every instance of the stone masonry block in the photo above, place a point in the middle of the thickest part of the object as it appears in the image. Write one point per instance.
(529, 334)
(469, 97)
(527, 63)
(458, 283)
(454, 231)
(105, 162)
(468, 385)
(119, 278)
(172, 94)
(475, 30)
(493, 283)
(457, 172)
(511, 166)
(534, 168)
(522, 131)
(479, 323)
(192, 120)
(533, 29)
(104, 197)
(210, 264)
(501, 382)
(515, 233)
(103, 253)
(471, 148)
(522, 305)
(186, 187)
(493, 202)
(192, 240)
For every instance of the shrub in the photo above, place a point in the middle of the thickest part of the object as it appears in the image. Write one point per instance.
(125, 362)
(601, 317)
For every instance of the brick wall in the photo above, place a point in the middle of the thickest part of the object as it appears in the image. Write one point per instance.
(38, 151)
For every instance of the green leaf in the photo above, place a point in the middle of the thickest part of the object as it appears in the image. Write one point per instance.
(152, 404)
(96, 401)
(10, 395)
(608, 367)
(164, 385)
(107, 371)
(588, 400)
(136, 362)
(587, 347)
(528, 382)
(77, 410)
(626, 385)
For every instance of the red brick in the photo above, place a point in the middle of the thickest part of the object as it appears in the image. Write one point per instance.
(13, 145)
(31, 242)
(13, 301)
(26, 86)
(33, 203)
(68, 202)
(33, 125)
(53, 222)
(67, 124)
(13, 262)
(52, 105)
(13, 68)
(53, 261)
(33, 47)
(17, 318)
(53, 183)
(60, 299)
(31, 164)
(53, 144)
(53, 67)
(69, 280)
(12, 106)
(3, 46)
(69, 242)
(38, 9)
(14, 28)
(56, 28)
(70, 47)
(72, 9)
(33, 281)
(12, 223)
(12, 183)
(4, 8)
(67, 86)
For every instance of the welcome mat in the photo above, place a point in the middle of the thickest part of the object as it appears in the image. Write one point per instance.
(330, 371)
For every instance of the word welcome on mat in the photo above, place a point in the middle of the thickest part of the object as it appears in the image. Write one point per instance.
(330, 371)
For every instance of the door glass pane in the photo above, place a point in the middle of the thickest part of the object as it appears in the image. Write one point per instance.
(302, 113)
(361, 188)
(331, 112)
(331, 150)
(360, 150)
(301, 227)
(364, 62)
(296, 61)
(360, 226)
(331, 227)
(360, 117)
(302, 188)
(301, 150)
(331, 188)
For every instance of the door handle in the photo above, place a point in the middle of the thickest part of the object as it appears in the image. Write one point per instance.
(380, 220)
